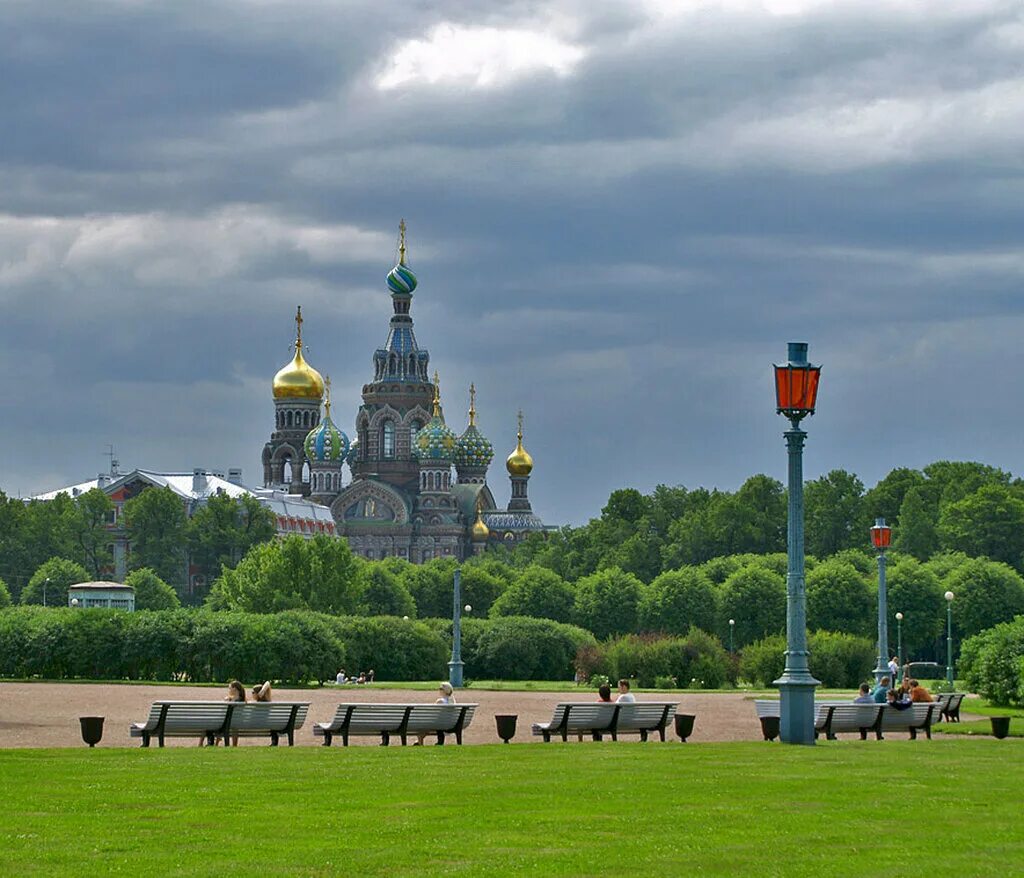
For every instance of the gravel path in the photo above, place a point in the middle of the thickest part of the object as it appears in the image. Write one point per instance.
(46, 714)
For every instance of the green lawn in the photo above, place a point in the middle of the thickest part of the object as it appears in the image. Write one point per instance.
(576, 809)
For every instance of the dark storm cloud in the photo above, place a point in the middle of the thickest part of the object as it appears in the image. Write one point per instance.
(619, 214)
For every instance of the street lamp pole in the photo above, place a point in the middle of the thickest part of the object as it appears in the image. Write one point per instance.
(732, 626)
(796, 388)
(949, 639)
(881, 537)
(455, 665)
(899, 646)
(46, 582)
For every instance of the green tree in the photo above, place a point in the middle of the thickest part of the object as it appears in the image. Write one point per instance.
(885, 499)
(50, 582)
(320, 574)
(5, 595)
(432, 587)
(840, 599)
(986, 593)
(832, 506)
(157, 527)
(382, 593)
(914, 590)
(606, 602)
(988, 522)
(756, 598)
(88, 523)
(225, 528)
(917, 534)
(679, 600)
(151, 592)
(955, 479)
(536, 592)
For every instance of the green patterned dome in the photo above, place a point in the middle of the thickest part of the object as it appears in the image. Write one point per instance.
(325, 443)
(473, 448)
(435, 441)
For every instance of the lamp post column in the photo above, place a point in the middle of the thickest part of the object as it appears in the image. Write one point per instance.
(455, 665)
(732, 627)
(899, 646)
(796, 685)
(882, 668)
(949, 639)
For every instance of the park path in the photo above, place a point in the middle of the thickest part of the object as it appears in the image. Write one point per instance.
(46, 714)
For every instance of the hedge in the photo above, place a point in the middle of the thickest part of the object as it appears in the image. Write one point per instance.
(696, 661)
(203, 646)
(992, 663)
(839, 661)
(516, 647)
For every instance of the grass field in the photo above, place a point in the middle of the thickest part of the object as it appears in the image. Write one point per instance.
(849, 808)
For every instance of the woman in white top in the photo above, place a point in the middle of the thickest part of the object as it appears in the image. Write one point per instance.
(447, 696)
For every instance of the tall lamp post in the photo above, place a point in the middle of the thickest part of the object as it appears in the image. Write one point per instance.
(46, 582)
(732, 627)
(949, 638)
(455, 665)
(899, 646)
(881, 537)
(796, 389)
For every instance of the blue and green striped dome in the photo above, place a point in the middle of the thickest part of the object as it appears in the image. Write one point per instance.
(401, 279)
(325, 443)
(473, 448)
(435, 441)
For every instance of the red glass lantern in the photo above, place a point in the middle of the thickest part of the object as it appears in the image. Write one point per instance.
(796, 384)
(881, 535)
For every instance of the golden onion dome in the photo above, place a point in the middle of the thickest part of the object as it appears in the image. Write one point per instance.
(519, 462)
(480, 530)
(298, 379)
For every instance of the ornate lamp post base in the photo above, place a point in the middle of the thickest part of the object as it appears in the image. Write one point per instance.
(796, 717)
(455, 674)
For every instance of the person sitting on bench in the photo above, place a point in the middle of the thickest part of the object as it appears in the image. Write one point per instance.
(625, 696)
(918, 694)
(447, 696)
(865, 695)
(892, 699)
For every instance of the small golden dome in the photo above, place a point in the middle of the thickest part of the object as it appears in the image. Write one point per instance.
(298, 379)
(480, 530)
(519, 462)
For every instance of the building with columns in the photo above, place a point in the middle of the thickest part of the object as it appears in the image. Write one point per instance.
(415, 489)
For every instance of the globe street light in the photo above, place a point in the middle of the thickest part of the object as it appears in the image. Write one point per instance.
(455, 665)
(732, 626)
(881, 537)
(899, 646)
(949, 639)
(796, 389)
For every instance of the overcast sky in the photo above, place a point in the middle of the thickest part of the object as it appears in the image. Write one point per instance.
(619, 214)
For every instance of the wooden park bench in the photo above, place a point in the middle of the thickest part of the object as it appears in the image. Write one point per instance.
(598, 719)
(372, 719)
(833, 717)
(949, 705)
(221, 719)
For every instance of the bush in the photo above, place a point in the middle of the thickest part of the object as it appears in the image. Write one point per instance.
(839, 661)
(992, 663)
(5, 595)
(840, 599)
(382, 593)
(756, 598)
(61, 573)
(395, 649)
(523, 648)
(677, 601)
(536, 592)
(606, 602)
(151, 592)
(987, 593)
(698, 657)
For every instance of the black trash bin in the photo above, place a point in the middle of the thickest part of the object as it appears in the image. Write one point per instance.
(1000, 726)
(92, 729)
(684, 725)
(506, 723)
(770, 727)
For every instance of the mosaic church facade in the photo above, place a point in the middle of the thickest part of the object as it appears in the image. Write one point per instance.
(416, 489)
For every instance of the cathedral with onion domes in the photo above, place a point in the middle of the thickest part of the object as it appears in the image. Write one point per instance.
(416, 489)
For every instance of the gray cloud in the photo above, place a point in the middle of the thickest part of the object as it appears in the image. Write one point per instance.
(619, 239)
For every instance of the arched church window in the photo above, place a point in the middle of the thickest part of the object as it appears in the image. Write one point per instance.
(288, 419)
(388, 440)
(392, 365)
(286, 471)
